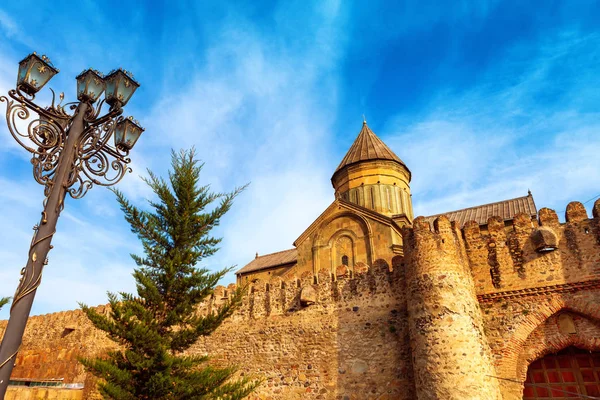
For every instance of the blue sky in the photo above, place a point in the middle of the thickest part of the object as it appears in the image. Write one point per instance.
(482, 100)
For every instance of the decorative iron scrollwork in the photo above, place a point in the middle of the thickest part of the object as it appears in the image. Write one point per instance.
(96, 161)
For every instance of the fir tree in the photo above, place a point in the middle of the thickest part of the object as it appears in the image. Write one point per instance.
(4, 301)
(155, 327)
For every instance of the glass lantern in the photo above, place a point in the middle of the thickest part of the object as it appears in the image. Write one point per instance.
(34, 73)
(120, 86)
(90, 85)
(127, 132)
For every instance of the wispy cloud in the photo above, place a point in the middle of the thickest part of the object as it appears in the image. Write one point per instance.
(530, 124)
(262, 119)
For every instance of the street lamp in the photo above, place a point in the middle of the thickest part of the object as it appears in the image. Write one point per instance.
(70, 154)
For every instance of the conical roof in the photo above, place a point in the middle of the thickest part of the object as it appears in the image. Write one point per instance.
(368, 146)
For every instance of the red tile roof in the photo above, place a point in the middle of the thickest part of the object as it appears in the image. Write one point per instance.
(270, 260)
(506, 209)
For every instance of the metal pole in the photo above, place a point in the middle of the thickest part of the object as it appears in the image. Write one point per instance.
(40, 246)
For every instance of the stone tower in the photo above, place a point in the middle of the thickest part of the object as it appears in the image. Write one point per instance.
(451, 356)
(372, 176)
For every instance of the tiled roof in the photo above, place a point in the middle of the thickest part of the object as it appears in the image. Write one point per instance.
(368, 146)
(506, 209)
(270, 260)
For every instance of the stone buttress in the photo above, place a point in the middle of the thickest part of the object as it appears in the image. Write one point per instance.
(450, 353)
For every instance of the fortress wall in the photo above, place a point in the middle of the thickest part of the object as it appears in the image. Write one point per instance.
(53, 342)
(555, 305)
(502, 261)
(346, 338)
(529, 279)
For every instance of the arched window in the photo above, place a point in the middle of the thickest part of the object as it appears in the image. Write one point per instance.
(345, 260)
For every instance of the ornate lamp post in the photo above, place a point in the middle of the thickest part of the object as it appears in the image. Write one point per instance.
(70, 154)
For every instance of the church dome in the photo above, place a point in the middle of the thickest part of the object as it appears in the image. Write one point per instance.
(368, 146)
(373, 176)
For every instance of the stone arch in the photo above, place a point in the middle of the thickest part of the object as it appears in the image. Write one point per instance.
(553, 306)
(539, 334)
(553, 344)
(368, 231)
(514, 358)
(323, 245)
(343, 243)
(514, 361)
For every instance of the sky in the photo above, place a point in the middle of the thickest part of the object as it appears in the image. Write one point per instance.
(482, 100)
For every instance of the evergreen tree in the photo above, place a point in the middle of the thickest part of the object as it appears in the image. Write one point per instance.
(155, 327)
(4, 301)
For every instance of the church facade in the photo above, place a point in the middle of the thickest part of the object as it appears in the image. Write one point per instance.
(364, 223)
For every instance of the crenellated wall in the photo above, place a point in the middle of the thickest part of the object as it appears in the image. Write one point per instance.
(316, 337)
(460, 316)
(547, 299)
(506, 259)
(309, 338)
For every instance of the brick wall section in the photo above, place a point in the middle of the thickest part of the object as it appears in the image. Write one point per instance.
(451, 357)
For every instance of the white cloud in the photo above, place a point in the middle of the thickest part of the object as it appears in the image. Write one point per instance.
(537, 131)
(7, 24)
(262, 119)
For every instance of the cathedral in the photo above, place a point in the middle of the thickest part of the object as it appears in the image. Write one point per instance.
(364, 222)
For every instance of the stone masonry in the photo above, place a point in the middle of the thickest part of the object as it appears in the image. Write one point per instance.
(432, 327)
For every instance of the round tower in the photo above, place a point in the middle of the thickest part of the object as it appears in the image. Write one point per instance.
(372, 176)
(451, 356)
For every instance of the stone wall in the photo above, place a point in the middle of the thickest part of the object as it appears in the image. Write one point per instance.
(451, 356)
(344, 339)
(53, 342)
(541, 301)
(497, 300)
(42, 393)
(506, 259)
